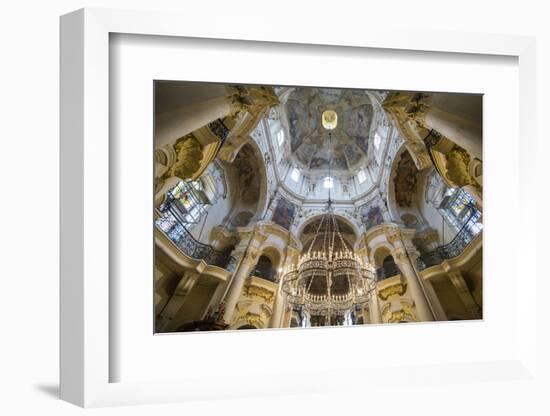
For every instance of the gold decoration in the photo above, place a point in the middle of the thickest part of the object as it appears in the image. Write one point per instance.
(417, 108)
(329, 119)
(408, 113)
(258, 292)
(405, 180)
(189, 155)
(251, 99)
(398, 289)
(457, 164)
(405, 314)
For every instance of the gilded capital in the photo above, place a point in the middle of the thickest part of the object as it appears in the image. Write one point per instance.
(399, 254)
(394, 236)
(251, 257)
(251, 99)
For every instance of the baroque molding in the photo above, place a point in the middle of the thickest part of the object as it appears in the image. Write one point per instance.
(408, 111)
(397, 289)
(260, 292)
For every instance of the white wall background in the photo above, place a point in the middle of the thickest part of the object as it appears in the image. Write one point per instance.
(29, 209)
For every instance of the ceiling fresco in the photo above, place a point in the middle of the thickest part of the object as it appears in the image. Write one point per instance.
(309, 141)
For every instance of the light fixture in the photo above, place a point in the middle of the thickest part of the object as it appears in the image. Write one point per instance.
(329, 281)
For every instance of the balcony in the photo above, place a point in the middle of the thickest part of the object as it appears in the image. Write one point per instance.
(170, 223)
(451, 250)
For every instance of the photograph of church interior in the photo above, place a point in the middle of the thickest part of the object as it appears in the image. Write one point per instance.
(283, 207)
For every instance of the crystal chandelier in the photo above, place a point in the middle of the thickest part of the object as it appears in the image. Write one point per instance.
(329, 280)
(332, 279)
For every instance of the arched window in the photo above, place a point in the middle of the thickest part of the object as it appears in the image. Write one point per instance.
(361, 176)
(328, 182)
(377, 141)
(185, 205)
(295, 174)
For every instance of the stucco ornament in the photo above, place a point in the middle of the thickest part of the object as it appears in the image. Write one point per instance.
(457, 164)
(189, 156)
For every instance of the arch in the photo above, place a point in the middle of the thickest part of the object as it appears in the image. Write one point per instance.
(274, 254)
(393, 208)
(307, 230)
(264, 268)
(380, 253)
(262, 171)
(247, 180)
(316, 217)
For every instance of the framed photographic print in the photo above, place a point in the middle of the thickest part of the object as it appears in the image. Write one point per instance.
(294, 207)
(289, 209)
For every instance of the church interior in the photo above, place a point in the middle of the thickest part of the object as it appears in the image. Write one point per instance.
(295, 207)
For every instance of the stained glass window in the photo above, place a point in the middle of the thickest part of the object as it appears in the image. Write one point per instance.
(459, 209)
(185, 203)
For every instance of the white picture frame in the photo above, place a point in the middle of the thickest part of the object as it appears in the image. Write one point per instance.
(86, 353)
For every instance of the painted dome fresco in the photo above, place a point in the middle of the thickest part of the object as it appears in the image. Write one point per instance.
(309, 141)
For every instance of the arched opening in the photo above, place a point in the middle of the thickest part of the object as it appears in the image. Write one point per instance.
(385, 263)
(311, 228)
(264, 269)
(389, 268)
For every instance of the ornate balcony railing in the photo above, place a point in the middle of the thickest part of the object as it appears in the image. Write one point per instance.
(449, 251)
(176, 231)
(432, 139)
(389, 269)
(219, 129)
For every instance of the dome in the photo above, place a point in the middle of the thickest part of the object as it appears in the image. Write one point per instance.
(309, 140)
(314, 126)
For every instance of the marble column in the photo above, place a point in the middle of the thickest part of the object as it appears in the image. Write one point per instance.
(287, 317)
(249, 260)
(291, 257)
(215, 300)
(275, 321)
(374, 308)
(457, 117)
(172, 125)
(403, 261)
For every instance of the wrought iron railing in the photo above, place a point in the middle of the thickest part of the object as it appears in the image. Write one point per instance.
(449, 251)
(432, 139)
(219, 129)
(176, 231)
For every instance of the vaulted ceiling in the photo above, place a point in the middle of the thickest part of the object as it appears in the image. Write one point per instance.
(309, 141)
